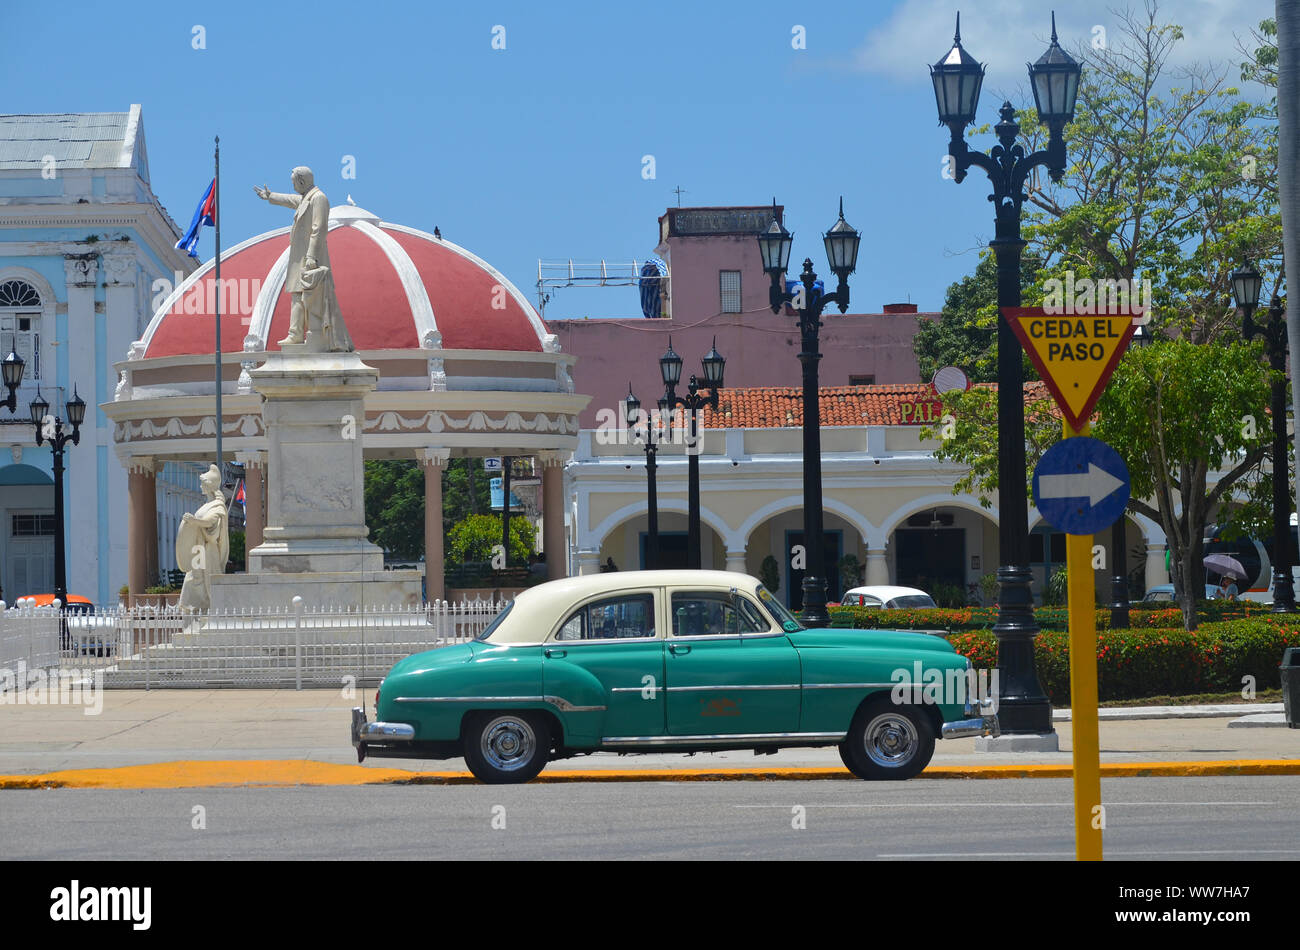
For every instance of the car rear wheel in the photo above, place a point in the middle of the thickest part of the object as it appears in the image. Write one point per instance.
(889, 742)
(506, 748)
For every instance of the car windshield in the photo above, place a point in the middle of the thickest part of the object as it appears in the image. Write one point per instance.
(786, 619)
(910, 600)
(488, 631)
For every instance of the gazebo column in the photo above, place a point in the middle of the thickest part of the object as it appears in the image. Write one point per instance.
(736, 560)
(433, 460)
(142, 524)
(554, 542)
(254, 496)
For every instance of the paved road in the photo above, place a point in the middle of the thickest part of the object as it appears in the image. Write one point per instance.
(135, 727)
(1193, 819)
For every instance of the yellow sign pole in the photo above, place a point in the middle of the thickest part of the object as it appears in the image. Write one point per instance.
(1088, 814)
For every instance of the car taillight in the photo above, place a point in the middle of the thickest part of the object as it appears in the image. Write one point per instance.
(376, 700)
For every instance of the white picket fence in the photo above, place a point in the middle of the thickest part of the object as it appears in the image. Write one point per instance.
(29, 640)
(294, 647)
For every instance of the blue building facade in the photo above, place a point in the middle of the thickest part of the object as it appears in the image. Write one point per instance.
(84, 248)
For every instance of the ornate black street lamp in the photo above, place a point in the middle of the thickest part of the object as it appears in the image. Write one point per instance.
(51, 428)
(1246, 285)
(957, 77)
(11, 369)
(670, 368)
(649, 434)
(808, 301)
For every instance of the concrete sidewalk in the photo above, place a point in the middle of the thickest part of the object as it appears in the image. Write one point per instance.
(137, 727)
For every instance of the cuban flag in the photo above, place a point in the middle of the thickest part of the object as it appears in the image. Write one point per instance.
(204, 215)
(239, 492)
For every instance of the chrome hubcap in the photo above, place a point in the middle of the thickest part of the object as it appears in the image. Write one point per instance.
(891, 740)
(508, 743)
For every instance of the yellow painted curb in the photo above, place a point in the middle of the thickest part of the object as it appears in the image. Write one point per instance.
(281, 773)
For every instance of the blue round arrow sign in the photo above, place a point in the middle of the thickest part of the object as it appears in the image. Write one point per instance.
(1081, 485)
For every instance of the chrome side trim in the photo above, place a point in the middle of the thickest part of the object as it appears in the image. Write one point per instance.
(559, 702)
(470, 699)
(698, 689)
(562, 704)
(734, 738)
(714, 689)
(849, 685)
(687, 638)
(601, 641)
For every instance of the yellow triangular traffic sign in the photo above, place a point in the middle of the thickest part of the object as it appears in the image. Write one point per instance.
(1074, 353)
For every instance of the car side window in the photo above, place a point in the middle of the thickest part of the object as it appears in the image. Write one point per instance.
(631, 615)
(708, 613)
(867, 601)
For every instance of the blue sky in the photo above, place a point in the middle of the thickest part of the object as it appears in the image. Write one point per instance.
(536, 150)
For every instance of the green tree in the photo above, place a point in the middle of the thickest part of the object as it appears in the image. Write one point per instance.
(966, 333)
(474, 539)
(395, 507)
(466, 490)
(1171, 179)
(1178, 411)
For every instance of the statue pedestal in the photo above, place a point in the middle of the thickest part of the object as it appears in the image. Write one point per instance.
(315, 542)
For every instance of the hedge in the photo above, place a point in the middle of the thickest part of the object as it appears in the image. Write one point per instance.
(1049, 618)
(1136, 663)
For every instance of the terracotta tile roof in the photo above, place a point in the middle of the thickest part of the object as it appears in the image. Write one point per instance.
(777, 406)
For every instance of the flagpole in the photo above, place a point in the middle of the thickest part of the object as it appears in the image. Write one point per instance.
(216, 214)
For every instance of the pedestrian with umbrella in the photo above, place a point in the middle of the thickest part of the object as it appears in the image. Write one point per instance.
(1229, 568)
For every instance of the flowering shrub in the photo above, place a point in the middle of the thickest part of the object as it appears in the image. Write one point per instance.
(1153, 662)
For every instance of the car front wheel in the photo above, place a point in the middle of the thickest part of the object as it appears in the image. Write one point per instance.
(506, 748)
(888, 742)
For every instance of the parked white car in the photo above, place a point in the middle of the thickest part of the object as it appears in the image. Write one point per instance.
(887, 598)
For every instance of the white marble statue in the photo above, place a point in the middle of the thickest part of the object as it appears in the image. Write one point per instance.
(315, 317)
(203, 543)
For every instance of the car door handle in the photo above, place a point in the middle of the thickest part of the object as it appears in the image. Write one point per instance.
(679, 649)
(555, 653)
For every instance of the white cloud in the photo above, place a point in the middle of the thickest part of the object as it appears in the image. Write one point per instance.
(1007, 34)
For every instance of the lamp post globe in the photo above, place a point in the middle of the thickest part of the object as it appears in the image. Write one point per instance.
(1055, 81)
(12, 370)
(957, 78)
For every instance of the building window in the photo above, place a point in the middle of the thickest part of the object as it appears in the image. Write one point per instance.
(33, 526)
(729, 289)
(868, 380)
(20, 320)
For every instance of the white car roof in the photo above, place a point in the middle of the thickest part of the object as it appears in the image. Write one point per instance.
(887, 593)
(546, 603)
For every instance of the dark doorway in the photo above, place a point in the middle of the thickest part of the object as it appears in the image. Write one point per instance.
(672, 550)
(833, 545)
(926, 556)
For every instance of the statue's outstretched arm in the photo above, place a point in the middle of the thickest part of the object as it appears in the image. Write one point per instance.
(277, 198)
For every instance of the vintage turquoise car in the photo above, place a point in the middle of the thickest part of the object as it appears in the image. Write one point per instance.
(654, 661)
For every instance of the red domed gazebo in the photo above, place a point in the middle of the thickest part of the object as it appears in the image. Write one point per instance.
(466, 368)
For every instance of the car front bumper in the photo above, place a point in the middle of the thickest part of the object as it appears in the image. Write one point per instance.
(965, 728)
(981, 720)
(383, 734)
